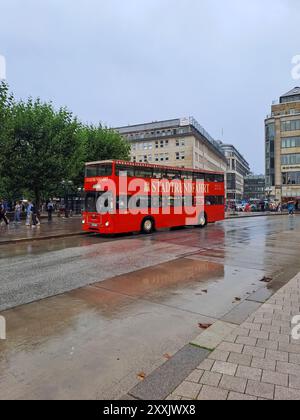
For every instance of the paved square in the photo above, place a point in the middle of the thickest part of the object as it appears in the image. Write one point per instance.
(257, 360)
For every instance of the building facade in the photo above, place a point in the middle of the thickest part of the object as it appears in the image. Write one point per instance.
(179, 142)
(255, 187)
(282, 143)
(237, 169)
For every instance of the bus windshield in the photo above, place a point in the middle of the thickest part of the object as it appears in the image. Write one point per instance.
(96, 202)
(101, 169)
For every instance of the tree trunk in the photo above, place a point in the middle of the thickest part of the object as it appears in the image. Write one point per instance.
(37, 197)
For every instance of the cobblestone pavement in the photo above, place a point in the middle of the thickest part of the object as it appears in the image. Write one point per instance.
(259, 360)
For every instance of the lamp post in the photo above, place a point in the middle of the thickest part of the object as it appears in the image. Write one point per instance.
(66, 185)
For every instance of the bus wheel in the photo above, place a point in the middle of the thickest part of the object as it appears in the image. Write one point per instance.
(148, 226)
(202, 221)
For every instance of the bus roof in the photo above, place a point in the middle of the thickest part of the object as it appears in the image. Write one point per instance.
(147, 165)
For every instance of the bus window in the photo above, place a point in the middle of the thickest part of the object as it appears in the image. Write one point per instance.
(188, 201)
(144, 202)
(155, 202)
(219, 178)
(173, 175)
(214, 200)
(187, 175)
(123, 170)
(165, 201)
(92, 171)
(143, 172)
(197, 176)
(122, 202)
(210, 177)
(157, 174)
(105, 203)
(178, 201)
(90, 202)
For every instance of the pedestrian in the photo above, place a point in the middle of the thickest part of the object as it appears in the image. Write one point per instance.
(29, 213)
(279, 208)
(3, 213)
(291, 208)
(297, 205)
(18, 209)
(34, 215)
(50, 209)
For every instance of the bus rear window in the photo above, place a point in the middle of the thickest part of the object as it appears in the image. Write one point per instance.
(92, 171)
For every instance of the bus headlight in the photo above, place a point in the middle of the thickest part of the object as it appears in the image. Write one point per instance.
(107, 224)
(83, 222)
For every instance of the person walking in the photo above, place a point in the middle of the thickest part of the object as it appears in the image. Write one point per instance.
(3, 213)
(34, 215)
(18, 209)
(29, 214)
(50, 209)
(291, 208)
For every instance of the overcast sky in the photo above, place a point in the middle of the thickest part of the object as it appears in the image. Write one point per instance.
(132, 61)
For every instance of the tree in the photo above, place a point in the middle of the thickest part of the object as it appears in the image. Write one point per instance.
(40, 147)
(6, 106)
(95, 143)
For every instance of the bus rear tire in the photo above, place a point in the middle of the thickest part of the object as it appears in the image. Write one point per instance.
(148, 226)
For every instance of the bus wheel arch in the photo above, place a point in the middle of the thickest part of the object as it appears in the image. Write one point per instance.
(148, 225)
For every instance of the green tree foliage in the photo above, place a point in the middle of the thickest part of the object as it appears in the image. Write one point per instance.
(6, 106)
(96, 143)
(41, 147)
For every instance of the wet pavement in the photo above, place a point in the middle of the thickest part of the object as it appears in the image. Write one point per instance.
(59, 227)
(126, 304)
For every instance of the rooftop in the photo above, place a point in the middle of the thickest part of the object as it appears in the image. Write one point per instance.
(231, 147)
(173, 123)
(291, 96)
(295, 91)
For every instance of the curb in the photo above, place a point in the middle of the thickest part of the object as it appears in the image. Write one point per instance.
(237, 217)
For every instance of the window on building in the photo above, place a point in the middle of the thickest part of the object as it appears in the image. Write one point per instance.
(290, 142)
(291, 125)
(291, 178)
(293, 159)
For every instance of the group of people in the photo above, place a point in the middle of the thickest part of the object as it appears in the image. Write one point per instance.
(31, 211)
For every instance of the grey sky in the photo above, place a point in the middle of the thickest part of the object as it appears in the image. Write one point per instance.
(132, 61)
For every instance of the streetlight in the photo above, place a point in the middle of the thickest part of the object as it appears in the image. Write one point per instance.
(66, 185)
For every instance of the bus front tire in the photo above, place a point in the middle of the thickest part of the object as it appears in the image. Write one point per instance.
(148, 226)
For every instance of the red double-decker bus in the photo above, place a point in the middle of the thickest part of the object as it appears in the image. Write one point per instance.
(124, 197)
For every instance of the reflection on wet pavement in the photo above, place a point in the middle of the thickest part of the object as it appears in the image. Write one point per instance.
(140, 298)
